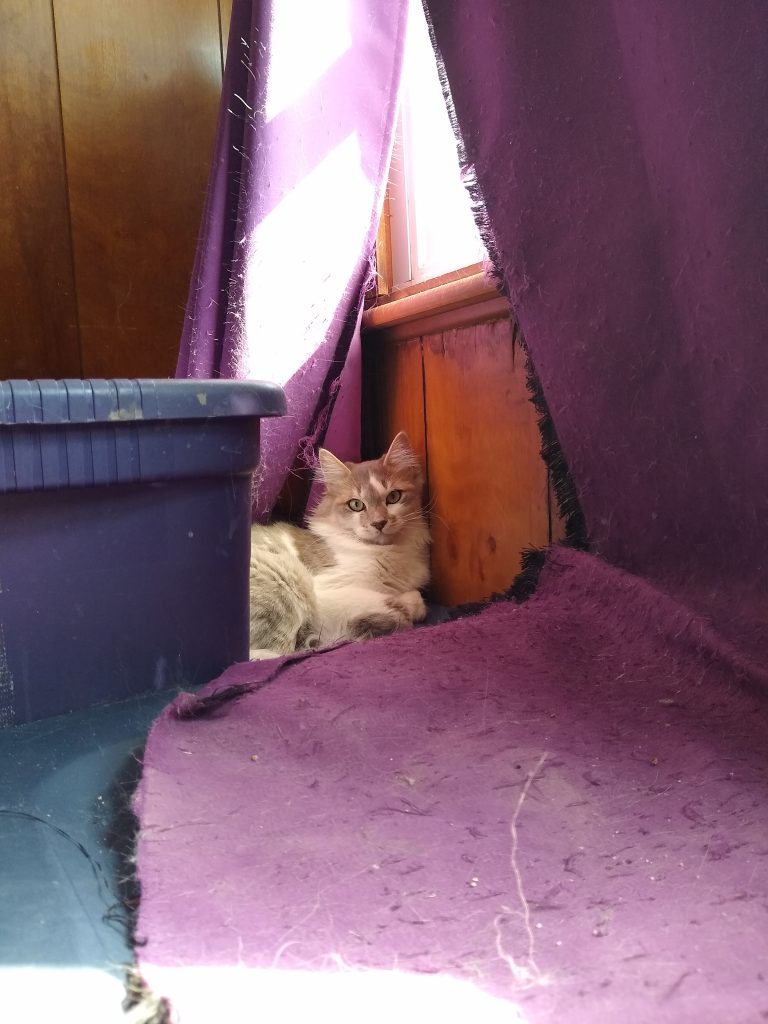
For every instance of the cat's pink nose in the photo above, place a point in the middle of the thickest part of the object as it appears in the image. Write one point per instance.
(380, 524)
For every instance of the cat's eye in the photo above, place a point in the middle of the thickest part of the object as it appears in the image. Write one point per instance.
(356, 505)
(393, 497)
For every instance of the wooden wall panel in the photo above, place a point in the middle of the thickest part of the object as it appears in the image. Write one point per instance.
(487, 480)
(38, 311)
(396, 399)
(140, 84)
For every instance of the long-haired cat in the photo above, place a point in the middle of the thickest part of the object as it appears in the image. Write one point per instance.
(357, 570)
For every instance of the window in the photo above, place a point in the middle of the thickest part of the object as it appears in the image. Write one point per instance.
(427, 225)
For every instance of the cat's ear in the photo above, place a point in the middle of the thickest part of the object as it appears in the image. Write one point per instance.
(401, 456)
(332, 470)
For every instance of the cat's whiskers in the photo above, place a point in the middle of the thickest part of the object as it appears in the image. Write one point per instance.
(418, 518)
(434, 515)
(429, 511)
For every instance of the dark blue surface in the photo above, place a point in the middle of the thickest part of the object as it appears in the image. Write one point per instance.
(82, 433)
(101, 401)
(65, 783)
(125, 511)
(118, 591)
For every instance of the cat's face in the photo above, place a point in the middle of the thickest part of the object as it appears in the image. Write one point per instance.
(372, 501)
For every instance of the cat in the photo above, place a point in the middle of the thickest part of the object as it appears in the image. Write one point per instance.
(356, 571)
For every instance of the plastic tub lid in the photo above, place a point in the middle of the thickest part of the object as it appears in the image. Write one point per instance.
(25, 402)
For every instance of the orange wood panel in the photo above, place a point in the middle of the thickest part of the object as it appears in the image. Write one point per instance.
(396, 380)
(140, 84)
(38, 311)
(487, 480)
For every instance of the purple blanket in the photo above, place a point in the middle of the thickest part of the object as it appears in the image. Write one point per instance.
(550, 811)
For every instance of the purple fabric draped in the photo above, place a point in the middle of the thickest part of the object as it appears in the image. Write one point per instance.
(555, 810)
(302, 153)
(547, 812)
(621, 150)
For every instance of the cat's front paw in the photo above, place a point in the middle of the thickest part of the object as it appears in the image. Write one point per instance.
(410, 604)
(262, 654)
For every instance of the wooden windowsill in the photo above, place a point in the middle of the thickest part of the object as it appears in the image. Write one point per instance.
(455, 300)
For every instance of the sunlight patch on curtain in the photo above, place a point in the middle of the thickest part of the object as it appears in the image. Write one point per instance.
(336, 199)
(303, 46)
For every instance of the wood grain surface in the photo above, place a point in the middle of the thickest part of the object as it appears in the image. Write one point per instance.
(38, 308)
(139, 92)
(487, 480)
(462, 396)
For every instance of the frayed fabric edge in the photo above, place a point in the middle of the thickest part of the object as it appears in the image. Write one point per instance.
(568, 506)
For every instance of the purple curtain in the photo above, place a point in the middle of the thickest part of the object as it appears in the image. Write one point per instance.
(620, 148)
(591, 847)
(302, 153)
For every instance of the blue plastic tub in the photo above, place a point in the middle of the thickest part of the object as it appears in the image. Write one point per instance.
(124, 533)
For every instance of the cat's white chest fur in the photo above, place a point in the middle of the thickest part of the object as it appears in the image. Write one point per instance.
(392, 568)
(371, 581)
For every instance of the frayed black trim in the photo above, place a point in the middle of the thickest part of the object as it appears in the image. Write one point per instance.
(527, 579)
(468, 174)
(121, 837)
(568, 505)
(565, 492)
(523, 586)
